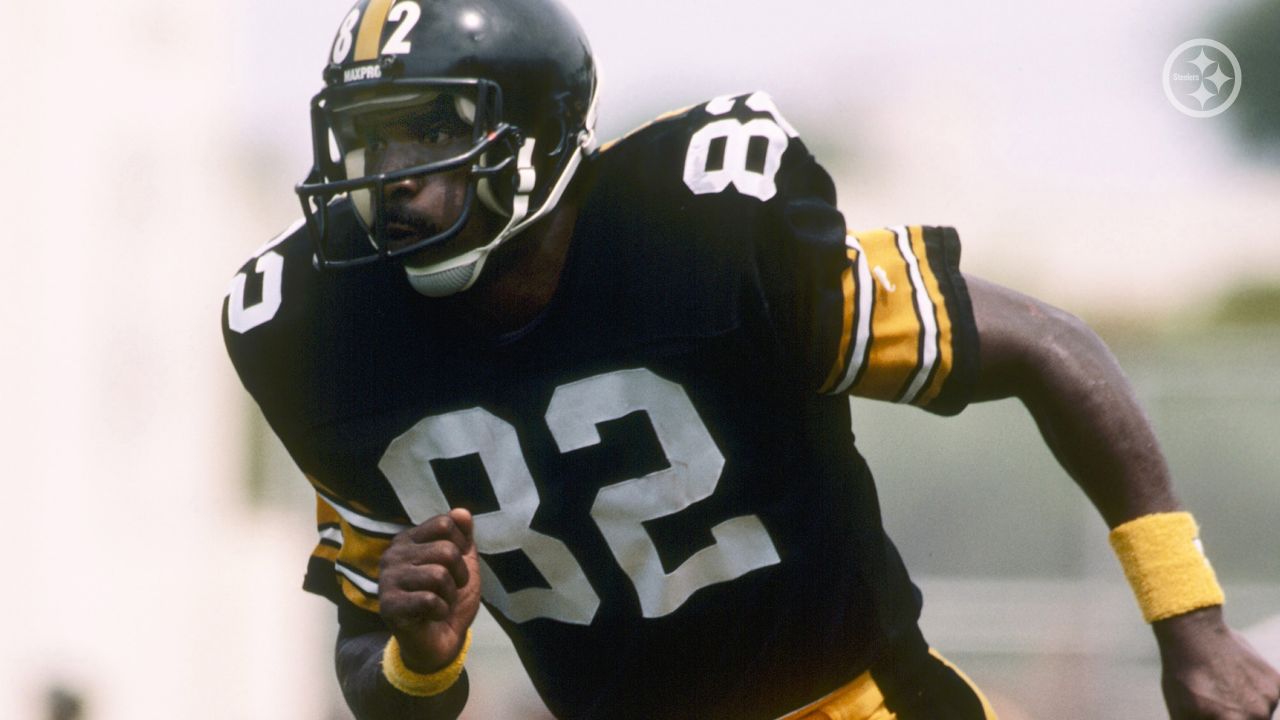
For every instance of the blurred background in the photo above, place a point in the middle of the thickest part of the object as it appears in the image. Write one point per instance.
(157, 534)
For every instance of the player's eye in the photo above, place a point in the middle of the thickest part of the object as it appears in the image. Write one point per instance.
(432, 124)
(368, 134)
(438, 123)
(375, 141)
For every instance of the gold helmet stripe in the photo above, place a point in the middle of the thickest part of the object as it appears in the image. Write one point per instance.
(370, 36)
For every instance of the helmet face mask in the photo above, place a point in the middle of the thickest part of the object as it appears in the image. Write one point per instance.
(347, 126)
(500, 92)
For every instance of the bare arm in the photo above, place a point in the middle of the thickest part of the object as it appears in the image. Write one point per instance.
(1092, 422)
(1079, 397)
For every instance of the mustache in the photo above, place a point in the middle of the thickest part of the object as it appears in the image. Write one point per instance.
(400, 219)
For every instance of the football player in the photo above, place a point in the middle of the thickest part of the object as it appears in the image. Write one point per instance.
(602, 391)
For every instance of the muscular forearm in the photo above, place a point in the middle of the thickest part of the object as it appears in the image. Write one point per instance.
(371, 697)
(1091, 419)
(1079, 397)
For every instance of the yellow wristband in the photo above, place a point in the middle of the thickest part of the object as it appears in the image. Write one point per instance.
(417, 684)
(1165, 564)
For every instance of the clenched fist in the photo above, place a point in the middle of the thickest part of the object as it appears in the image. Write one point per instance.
(429, 589)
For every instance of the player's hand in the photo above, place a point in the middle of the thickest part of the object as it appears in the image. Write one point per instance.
(1211, 672)
(429, 589)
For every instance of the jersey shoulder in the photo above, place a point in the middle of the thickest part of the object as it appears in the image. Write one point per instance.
(742, 107)
(294, 331)
(257, 320)
(695, 218)
(732, 146)
(255, 296)
(729, 169)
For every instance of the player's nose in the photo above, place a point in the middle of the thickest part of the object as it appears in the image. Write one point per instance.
(400, 156)
(404, 189)
(427, 191)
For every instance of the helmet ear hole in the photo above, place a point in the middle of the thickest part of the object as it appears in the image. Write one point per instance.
(498, 191)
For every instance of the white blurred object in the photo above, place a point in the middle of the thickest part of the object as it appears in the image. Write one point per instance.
(1265, 638)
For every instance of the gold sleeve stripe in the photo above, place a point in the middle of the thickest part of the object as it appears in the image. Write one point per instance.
(360, 554)
(896, 332)
(339, 511)
(358, 598)
(925, 312)
(859, 310)
(359, 590)
(357, 567)
(362, 551)
(367, 585)
(330, 531)
(354, 544)
(325, 551)
(325, 514)
(331, 535)
(370, 35)
(945, 340)
(332, 496)
(357, 564)
(866, 311)
(895, 325)
(368, 524)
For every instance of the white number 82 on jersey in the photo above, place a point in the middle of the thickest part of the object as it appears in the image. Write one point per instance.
(742, 544)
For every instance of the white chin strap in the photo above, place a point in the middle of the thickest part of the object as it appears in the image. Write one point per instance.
(435, 281)
(459, 273)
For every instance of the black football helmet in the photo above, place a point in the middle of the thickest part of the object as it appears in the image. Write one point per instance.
(519, 74)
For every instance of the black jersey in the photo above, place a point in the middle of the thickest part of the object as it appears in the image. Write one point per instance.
(671, 515)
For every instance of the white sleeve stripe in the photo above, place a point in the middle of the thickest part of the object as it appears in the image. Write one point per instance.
(928, 321)
(368, 524)
(865, 296)
(367, 586)
(332, 534)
